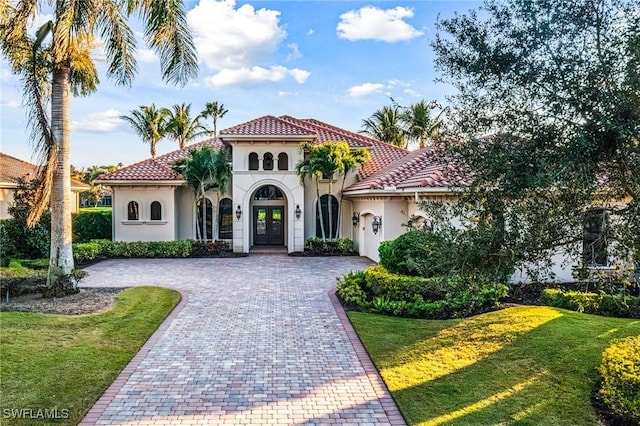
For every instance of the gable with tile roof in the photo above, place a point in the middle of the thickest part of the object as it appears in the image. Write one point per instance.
(266, 204)
(12, 169)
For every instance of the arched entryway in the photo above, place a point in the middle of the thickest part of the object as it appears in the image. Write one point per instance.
(268, 207)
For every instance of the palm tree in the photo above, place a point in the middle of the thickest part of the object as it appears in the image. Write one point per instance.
(50, 73)
(322, 161)
(215, 111)
(182, 128)
(349, 161)
(385, 124)
(420, 127)
(205, 168)
(149, 123)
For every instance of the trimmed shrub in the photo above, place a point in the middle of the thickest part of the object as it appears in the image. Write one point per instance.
(209, 249)
(339, 247)
(85, 252)
(418, 253)
(350, 289)
(18, 280)
(91, 226)
(593, 303)
(379, 290)
(620, 379)
(18, 240)
(145, 248)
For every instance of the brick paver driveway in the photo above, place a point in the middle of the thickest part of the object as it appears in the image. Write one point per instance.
(258, 341)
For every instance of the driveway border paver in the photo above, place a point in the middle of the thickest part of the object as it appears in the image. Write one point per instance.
(107, 397)
(386, 400)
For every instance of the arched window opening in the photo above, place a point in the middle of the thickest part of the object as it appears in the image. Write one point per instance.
(267, 161)
(226, 219)
(253, 161)
(283, 161)
(156, 211)
(133, 211)
(329, 205)
(268, 192)
(204, 225)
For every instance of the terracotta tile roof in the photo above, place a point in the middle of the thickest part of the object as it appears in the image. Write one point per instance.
(159, 168)
(389, 165)
(382, 153)
(423, 168)
(12, 169)
(267, 126)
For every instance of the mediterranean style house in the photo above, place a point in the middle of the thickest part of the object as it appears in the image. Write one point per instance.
(266, 204)
(13, 169)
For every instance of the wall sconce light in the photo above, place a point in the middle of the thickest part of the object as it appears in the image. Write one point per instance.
(298, 211)
(355, 219)
(238, 212)
(376, 224)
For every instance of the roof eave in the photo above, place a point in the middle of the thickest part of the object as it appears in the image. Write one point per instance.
(123, 182)
(404, 191)
(249, 138)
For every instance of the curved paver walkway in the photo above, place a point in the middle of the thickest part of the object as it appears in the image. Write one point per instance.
(258, 341)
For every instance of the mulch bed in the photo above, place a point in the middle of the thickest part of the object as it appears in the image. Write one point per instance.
(87, 301)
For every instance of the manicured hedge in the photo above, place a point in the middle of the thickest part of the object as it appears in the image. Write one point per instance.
(620, 380)
(378, 290)
(91, 226)
(83, 252)
(18, 280)
(593, 303)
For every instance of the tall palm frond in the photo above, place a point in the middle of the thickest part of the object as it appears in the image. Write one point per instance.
(150, 123)
(385, 125)
(182, 128)
(215, 111)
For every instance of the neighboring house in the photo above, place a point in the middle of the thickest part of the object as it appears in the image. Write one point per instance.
(265, 203)
(12, 169)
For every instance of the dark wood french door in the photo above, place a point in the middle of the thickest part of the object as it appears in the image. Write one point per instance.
(268, 225)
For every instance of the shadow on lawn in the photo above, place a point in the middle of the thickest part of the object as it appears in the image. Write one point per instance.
(529, 367)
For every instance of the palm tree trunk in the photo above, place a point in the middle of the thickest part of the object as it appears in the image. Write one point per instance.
(330, 209)
(324, 236)
(61, 234)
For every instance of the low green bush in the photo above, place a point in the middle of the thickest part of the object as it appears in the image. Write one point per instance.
(614, 305)
(417, 253)
(620, 380)
(339, 247)
(85, 252)
(18, 280)
(144, 248)
(379, 290)
(91, 226)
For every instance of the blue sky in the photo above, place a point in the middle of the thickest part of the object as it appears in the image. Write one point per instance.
(336, 61)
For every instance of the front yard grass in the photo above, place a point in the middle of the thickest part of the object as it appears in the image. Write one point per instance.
(526, 365)
(64, 362)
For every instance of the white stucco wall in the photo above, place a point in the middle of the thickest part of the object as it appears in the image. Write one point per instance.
(144, 229)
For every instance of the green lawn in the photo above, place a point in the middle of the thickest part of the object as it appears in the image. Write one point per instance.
(527, 365)
(67, 362)
(104, 210)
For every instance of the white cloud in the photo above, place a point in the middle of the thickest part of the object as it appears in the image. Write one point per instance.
(365, 89)
(234, 38)
(295, 52)
(310, 31)
(237, 44)
(372, 23)
(300, 76)
(413, 93)
(283, 94)
(146, 56)
(255, 75)
(99, 122)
